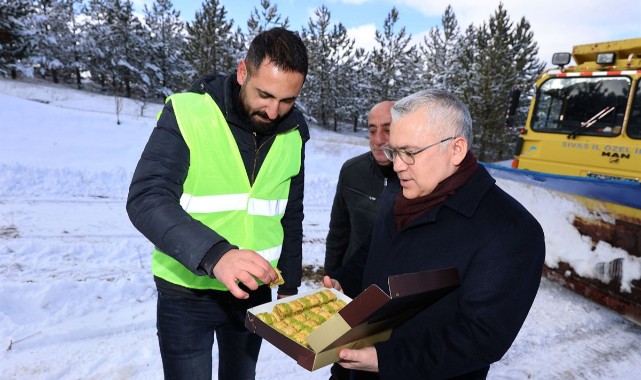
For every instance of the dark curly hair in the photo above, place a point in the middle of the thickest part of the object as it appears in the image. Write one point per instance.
(283, 47)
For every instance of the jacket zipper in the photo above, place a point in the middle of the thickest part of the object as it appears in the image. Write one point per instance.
(371, 198)
(257, 149)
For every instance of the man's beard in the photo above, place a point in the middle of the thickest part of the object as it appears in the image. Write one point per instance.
(263, 128)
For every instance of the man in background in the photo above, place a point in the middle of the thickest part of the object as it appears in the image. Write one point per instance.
(361, 182)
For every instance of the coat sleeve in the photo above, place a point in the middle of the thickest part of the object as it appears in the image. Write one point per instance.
(496, 294)
(339, 230)
(153, 203)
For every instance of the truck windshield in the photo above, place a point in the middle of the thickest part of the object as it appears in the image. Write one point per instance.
(569, 105)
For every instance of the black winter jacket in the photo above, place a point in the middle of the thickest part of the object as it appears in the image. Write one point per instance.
(360, 184)
(498, 248)
(157, 185)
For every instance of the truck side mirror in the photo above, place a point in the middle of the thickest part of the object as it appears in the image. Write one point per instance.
(515, 95)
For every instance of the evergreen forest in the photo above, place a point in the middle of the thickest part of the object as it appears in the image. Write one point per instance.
(102, 45)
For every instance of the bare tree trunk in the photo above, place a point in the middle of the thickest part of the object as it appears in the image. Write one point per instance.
(78, 78)
(143, 105)
(118, 108)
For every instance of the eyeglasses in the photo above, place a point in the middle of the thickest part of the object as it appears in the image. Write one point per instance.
(407, 156)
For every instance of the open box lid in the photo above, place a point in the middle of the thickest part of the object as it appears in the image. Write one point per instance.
(375, 310)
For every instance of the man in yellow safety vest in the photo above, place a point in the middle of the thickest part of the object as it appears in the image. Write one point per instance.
(218, 190)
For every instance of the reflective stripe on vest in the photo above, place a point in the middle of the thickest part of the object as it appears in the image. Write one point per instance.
(229, 202)
(219, 194)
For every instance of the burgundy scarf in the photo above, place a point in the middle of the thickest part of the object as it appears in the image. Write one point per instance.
(407, 210)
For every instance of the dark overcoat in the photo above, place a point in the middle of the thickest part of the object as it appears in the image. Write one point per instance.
(498, 248)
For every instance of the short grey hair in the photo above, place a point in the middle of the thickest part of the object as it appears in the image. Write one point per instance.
(446, 114)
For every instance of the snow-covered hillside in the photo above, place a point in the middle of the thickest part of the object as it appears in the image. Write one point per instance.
(77, 300)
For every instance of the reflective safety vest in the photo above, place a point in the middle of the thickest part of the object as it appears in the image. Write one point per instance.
(217, 191)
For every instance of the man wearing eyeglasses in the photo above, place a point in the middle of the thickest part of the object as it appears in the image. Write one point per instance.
(447, 212)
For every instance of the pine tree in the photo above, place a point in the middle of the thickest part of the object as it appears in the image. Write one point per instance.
(211, 45)
(342, 61)
(316, 92)
(15, 38)
(330, 86)
(74, 60)
(130, 52)
(500, 57)
(97, 26)
(51, 37)
(440, 52)
(527, 66)
(268, 17)
(167, 70)
(357, 105)
(394, 61)
(238, 45)
(116, 44)
(468, 61)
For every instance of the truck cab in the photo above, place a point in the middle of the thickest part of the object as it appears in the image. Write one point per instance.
(585, 120)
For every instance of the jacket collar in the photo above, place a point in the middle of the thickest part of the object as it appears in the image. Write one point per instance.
(468, 197)
(225, 91)
(465, 201)
(379, 170)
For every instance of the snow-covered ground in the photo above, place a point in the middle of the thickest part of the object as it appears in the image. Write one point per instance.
(77, 300)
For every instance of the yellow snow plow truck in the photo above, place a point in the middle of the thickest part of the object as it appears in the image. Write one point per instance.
(582, 141)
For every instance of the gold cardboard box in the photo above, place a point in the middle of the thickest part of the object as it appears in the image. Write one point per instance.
(367, 319)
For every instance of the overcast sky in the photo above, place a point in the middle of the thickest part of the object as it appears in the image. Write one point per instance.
(557, 24)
